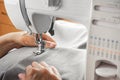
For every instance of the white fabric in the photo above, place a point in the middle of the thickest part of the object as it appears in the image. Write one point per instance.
(70, 35)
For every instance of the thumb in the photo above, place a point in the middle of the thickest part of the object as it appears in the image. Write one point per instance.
(21, 76)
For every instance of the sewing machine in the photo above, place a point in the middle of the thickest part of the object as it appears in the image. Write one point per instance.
(102, 17)
(38, 16)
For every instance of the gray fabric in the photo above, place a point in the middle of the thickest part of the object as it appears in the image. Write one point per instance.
(69, 62)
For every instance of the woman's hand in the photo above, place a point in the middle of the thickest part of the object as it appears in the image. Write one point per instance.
(25, 39)
(40, 71)
(20, 39)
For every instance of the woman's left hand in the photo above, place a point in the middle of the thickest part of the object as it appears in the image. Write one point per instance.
(23, 38)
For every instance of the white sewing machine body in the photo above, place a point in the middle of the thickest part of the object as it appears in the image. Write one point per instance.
(32, 12)
(104, 43)
(102, 17)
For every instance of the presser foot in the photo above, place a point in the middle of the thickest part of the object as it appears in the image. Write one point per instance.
(41, 45)
(41, 48)
(38, 52)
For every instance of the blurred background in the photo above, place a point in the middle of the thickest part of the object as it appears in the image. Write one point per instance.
(5, 24)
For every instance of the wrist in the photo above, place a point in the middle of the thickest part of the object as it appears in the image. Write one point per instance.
(6, 44)
(10, 38)
(13, 38)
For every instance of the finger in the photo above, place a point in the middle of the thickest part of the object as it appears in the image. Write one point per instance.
(21, 76)
(40, 69)
(50, 44)
(47, 38)
(44, 64)
(28, 70)
(47, 67)
(37, 65)
(55, 70)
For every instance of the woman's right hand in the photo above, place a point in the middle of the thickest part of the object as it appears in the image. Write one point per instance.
(40, 71)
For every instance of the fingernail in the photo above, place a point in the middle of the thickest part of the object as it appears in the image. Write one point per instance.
(52, 45)
(20, 75)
